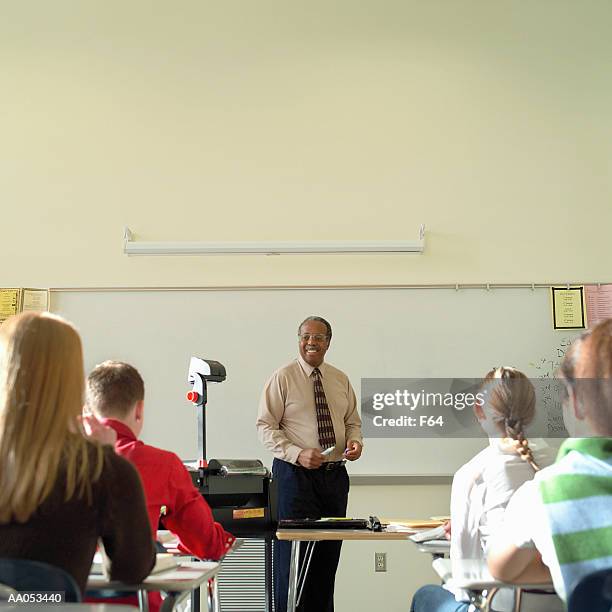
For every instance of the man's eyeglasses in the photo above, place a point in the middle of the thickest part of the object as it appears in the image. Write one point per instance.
(315, 337)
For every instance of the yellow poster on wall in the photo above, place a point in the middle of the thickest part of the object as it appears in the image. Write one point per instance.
(10, 303)
(568, 307)
(15, 300)
(34, 299)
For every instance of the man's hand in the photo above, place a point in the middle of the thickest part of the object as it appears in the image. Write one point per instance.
(353, 450)
(97, 432)
(310, 458)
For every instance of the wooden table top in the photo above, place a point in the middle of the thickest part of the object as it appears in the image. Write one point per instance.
(305, 535)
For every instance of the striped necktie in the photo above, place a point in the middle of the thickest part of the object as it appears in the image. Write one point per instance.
(327, 438)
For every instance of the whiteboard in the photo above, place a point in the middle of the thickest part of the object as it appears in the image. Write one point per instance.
(385, 333)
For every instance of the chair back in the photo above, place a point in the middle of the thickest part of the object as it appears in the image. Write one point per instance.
(27, 575)
(593, 593)
(6, 592)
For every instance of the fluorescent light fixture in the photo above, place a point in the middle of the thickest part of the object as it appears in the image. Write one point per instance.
(133, 247)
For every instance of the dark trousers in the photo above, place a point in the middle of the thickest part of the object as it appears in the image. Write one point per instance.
(306, 493)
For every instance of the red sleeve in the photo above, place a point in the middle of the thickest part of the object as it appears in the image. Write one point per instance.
(190, 518)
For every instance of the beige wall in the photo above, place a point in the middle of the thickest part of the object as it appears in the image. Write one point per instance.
(488, 121)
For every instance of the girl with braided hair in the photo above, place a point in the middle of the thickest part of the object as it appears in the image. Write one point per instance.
(511, 397)
(483, 487)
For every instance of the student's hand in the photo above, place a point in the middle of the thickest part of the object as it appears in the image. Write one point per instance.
(353, 450)
(230, 541)
(310, 458)
(97, 432)
(447, 530)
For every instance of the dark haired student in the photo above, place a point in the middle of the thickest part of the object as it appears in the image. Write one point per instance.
(115, 394)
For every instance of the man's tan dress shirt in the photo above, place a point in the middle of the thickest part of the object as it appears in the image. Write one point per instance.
(287, 420)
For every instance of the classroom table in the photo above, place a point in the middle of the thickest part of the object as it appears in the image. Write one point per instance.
(179, 582)
(436, 548)
(297, 578)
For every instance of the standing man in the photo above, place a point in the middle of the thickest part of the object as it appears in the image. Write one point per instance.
(307, 407)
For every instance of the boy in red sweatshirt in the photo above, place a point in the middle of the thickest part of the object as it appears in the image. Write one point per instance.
(115, 395)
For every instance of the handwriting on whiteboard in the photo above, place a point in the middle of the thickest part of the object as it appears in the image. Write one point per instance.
(547, 367)
(550, 391)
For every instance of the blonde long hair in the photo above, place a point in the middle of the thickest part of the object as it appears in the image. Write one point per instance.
(41, 397)
(512, 396)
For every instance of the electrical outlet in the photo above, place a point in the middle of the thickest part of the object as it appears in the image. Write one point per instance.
(380, 562)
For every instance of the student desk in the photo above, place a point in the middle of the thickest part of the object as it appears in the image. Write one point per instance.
(178, 582)
(297, 577)
(482, 587)
(436, 548)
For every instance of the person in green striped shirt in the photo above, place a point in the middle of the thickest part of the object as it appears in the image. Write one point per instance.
(559, 526)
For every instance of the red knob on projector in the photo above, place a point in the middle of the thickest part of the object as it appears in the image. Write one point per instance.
(193, 396)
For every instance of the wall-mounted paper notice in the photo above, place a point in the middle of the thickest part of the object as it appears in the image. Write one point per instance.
(10, 302)
(568, 307)
(35, 299)
(13, 301)
(598, 303)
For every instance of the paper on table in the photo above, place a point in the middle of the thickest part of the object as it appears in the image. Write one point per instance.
(399, 528)
(167, 539)
(439, 533)
(163, 561)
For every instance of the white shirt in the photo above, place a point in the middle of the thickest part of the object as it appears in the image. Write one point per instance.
(480, 493)
(526, 526)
